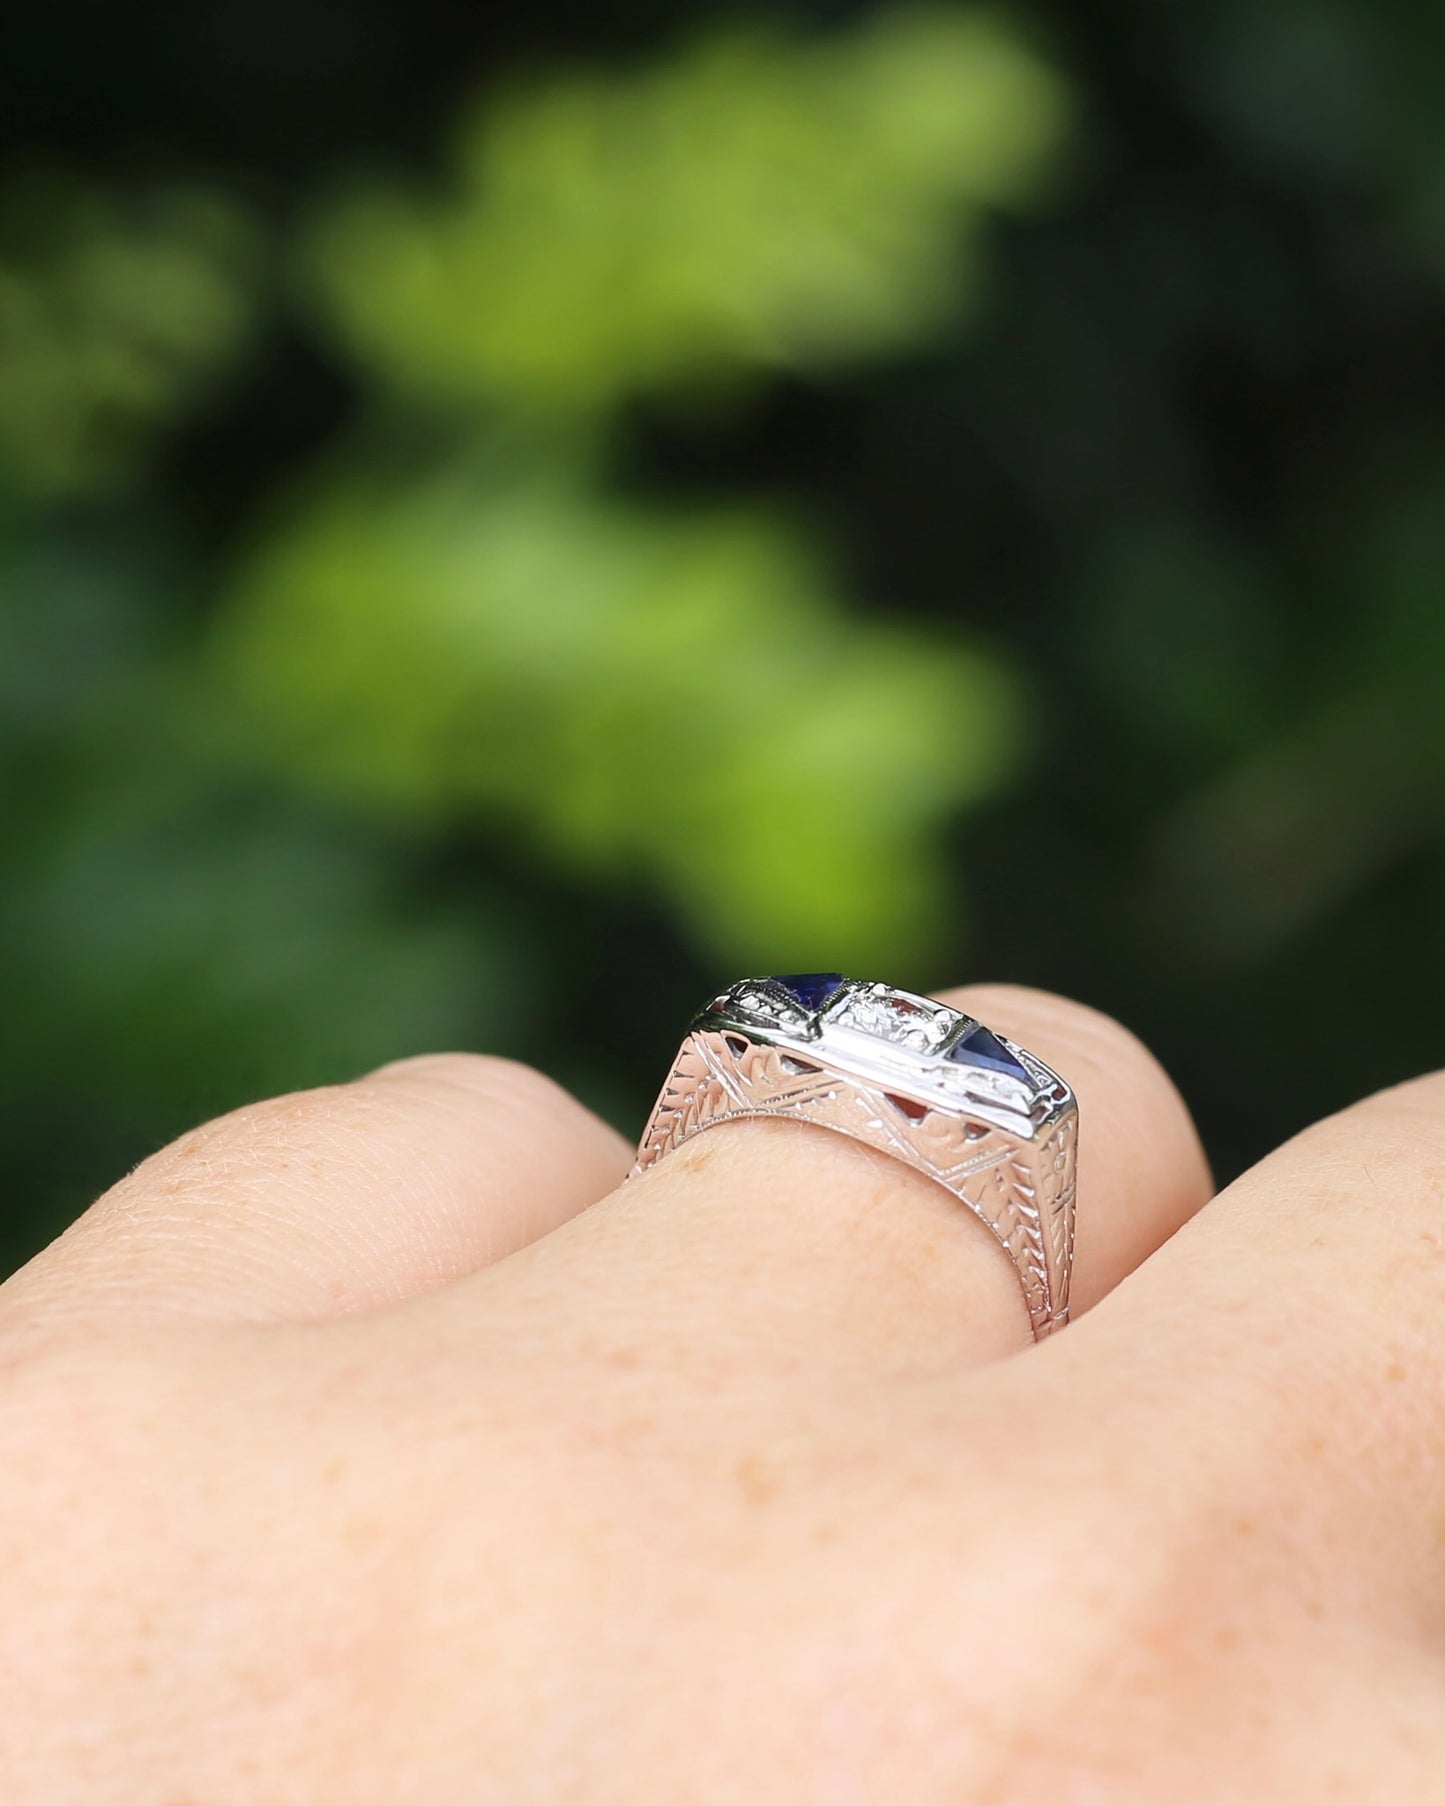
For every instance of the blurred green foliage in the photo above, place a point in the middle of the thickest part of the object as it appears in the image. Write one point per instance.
(759, 202)
(642, 697)
(641, 693)
(549, 508)
(117, 312)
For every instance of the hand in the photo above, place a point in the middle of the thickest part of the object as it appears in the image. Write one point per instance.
(368, 1446)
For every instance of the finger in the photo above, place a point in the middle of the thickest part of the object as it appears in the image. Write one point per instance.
(761, 1234)
(1304, 1311)
(335, 1200)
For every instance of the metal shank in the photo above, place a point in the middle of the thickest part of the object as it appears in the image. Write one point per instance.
(1014, 1168)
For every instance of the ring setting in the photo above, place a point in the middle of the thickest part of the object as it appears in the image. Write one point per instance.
(912, 1077)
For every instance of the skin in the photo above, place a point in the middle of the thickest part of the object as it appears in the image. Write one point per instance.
(370, 1446)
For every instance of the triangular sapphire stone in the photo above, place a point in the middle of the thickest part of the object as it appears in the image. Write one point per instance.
(812, 989)
(981, 1048)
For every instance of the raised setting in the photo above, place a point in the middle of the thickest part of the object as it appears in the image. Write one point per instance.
(908, 1075)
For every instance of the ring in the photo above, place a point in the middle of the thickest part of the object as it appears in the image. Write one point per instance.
(907, 1075)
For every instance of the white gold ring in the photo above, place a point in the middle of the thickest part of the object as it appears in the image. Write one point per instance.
(907, 1075)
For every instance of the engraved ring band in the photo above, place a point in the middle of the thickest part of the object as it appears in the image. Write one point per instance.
(907, 1075)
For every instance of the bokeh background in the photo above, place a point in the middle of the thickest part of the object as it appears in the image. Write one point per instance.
(511, 516)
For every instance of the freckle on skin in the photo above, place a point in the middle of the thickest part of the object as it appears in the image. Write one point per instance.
(757, 1485)
(1395, 1371)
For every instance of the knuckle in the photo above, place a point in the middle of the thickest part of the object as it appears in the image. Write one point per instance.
(1054, 1021)
(258, 1135)
(508, 1097)
(1106, 1063)
(1407, 1121)
(1382, 1159)
(230, 1146)
(486, 1080)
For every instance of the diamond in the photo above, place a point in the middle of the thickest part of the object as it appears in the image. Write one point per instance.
(980, 1047)
(756, 1000)
(896, 1016)
(812, 989)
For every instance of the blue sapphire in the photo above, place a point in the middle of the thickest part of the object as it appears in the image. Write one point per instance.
(981, 1048)
(812, 989)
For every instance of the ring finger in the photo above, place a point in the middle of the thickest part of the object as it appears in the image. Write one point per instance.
(790, 1240)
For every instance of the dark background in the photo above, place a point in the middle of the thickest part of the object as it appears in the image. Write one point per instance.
(1137, 520)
